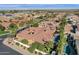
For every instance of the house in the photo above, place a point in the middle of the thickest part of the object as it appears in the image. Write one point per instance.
(36, 34)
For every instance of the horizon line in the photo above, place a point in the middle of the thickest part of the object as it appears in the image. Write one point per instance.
(39, 6)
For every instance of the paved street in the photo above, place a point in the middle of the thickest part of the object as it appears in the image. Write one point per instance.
(17, 48)
(5, 50)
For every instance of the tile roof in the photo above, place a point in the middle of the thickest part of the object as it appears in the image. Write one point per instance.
(38, 34)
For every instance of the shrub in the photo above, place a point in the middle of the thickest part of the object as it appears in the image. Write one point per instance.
(24, 41)
(17, 44)
(2, 28)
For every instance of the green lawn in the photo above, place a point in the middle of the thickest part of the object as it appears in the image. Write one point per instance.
(24, 41)
(3, 32)
(42, 47)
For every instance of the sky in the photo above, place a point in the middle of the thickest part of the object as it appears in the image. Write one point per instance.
(30, 6)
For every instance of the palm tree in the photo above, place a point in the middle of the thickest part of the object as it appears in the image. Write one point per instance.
(62, 42)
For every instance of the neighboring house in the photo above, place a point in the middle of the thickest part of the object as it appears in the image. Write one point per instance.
(72, 17)
(78, 27)
(77, 32)
(4, 18)
(60, 15)
(49, 24)
(67, 28)
(5, 24)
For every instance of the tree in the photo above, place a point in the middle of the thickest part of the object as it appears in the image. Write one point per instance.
(48, 46)
(35, 25)
(17, 44)
(3, 12)
(12, 26)
(0, 21)
(2, 28)
(32, 48)
(40, 17)
(62, 42)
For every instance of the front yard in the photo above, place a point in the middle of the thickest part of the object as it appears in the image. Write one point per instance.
(42, 47)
